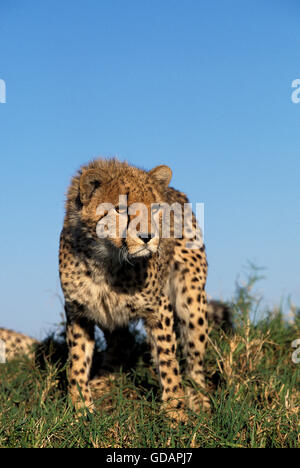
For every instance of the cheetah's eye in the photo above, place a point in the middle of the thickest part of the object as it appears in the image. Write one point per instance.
(155, 207)
(121, 209)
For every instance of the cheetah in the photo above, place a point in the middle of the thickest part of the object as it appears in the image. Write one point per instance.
(111, 281)
(134, 273)
(16, 344)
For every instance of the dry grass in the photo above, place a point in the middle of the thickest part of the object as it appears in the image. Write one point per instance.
(253, 384)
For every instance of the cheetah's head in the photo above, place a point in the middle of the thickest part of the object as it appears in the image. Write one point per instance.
(121, 206)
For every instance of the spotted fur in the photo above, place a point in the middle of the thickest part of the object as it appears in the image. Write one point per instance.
(120, 343)
(17, 344)
(105, 288)
(110, 282)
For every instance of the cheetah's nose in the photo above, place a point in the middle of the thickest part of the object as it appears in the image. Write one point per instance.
(145, 237)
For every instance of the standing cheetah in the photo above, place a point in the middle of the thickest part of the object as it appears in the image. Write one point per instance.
(135, 273)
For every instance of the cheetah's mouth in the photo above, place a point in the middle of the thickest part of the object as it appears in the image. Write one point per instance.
(143, 252)
(126, 256)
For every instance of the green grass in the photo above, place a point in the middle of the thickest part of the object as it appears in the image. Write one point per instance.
(253, 383)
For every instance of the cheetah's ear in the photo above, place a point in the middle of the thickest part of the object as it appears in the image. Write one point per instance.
(162, 174)
(90, 180)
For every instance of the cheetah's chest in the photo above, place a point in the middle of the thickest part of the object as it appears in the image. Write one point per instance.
(115, 300)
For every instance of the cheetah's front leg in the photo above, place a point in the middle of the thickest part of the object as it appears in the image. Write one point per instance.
(192, 313)
(80, 339)
(163, 343)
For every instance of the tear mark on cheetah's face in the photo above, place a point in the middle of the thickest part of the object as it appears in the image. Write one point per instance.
(124, 210)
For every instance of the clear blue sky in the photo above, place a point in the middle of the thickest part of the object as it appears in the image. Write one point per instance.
(203, 86)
